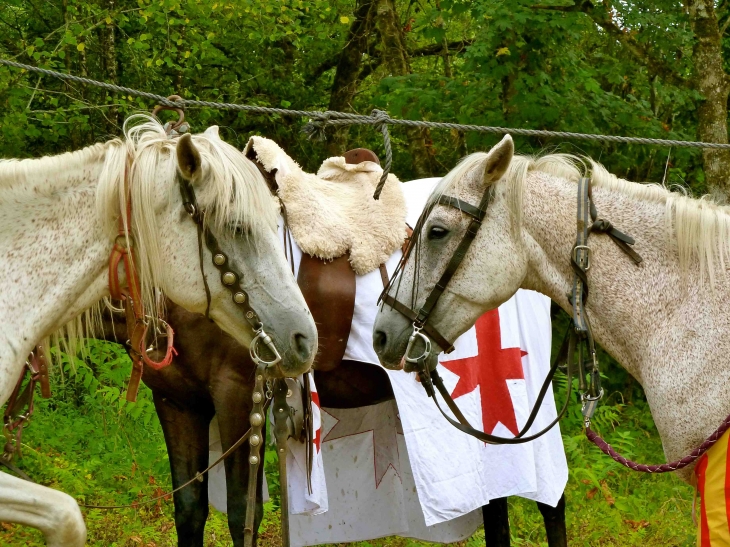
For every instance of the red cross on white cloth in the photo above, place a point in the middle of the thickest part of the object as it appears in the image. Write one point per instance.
(489, 371)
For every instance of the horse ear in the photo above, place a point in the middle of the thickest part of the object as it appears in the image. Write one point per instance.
(188, 157)
(498, 160)
(212, 132)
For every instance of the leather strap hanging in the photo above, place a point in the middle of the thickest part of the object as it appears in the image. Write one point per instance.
(20, 406)
(131, 297)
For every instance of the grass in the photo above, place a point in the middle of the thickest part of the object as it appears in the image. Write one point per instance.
(87, 441)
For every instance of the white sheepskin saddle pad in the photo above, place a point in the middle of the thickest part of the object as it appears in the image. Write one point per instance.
(333, 212)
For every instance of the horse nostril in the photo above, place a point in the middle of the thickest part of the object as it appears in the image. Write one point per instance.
(301, 346)
(380, 339)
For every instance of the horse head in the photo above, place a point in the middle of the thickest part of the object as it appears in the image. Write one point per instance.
(204, 226)
(462, 239)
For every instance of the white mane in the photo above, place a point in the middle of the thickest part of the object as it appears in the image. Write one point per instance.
(232, 192)
(699, 229)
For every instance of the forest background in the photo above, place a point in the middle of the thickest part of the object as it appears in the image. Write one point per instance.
(641, 68)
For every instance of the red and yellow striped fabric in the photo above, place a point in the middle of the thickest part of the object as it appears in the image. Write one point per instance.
(713, 486)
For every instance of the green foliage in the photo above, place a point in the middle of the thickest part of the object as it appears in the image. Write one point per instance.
(521, 67)
(89, 442)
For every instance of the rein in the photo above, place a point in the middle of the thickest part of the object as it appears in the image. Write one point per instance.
(588, 222)
(579, 337)
(14, 418)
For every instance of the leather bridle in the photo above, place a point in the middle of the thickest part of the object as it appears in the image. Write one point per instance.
(138, 319)
(578, 338)
(421, 328)
(231, 280)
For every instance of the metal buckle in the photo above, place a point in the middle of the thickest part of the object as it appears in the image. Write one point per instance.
(589, 406)
(190, 209)
(585, 248)
(123, 241)
(266, 339)
(412, 340)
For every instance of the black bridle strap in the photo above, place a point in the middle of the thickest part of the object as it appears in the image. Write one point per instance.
(477, 214)
(230, 279)
(202, 270)
(431, 379)
(411, 316)
(464, 207)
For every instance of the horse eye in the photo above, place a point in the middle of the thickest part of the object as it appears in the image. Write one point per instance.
(437, 232)
(241, 230)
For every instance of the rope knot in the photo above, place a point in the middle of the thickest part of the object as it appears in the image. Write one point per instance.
(381, 119)
(316, 128)
(380, 116)
(601, 225)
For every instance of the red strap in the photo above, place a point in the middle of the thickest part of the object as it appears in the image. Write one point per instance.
(39, 370)
(132, 299)
(116, 256)
(134, 379)
(168, 353)
(664, 467)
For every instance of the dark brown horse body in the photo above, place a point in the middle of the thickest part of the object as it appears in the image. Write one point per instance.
(213, 375)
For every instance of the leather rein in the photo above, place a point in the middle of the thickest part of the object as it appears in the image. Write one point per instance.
(579, 337)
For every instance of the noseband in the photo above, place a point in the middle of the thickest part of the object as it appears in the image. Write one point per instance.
(231, 281)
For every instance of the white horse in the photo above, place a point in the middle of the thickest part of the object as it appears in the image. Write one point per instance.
(667, 321)
(58, 222)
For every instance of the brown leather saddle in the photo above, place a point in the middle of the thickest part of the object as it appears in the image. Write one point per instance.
(328, 286)
(329, 290)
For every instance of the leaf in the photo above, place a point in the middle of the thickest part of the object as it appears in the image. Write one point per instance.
(81, 46)
(344, 19)
(607, 493)
(502, 51)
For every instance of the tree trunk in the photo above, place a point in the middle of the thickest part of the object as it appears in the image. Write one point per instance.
(349, 74)
(395, 57)
(110, 66)
(712, 82)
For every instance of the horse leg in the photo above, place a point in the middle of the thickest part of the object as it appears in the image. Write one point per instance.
(496, 523)
(554, 518)
(232, 399)
(186, 437)
(52, 512)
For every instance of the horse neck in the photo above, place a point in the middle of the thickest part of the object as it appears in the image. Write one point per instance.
(627, 304)
(55, 251)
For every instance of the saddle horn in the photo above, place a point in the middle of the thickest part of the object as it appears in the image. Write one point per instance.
(359, 155)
